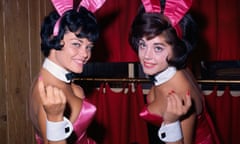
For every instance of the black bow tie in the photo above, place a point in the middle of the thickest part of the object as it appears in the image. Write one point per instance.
(152, 78)
(71, 76)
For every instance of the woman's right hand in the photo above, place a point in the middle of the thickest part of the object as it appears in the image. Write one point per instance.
(53, 101)
(176, 107)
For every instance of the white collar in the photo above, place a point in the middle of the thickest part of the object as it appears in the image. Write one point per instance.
(164, 76)
(56, 70)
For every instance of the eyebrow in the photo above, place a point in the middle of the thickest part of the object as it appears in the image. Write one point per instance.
(162, 44)
(81, 41)
(75, 38)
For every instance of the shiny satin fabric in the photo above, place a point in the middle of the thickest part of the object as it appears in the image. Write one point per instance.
(151, 118)
(205, 132)
(81, 124)
(175, 10)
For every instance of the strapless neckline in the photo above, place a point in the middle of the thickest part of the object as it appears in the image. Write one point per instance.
(149, 117)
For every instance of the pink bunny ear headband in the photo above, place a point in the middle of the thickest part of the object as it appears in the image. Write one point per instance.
(174, 10)
(64, 5)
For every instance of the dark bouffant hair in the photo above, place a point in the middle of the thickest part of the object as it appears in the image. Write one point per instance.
(83, 23)
(150, 25)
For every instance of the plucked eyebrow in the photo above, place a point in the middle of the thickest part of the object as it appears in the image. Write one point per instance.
(77, 39)
(160, 44)
(155, 44)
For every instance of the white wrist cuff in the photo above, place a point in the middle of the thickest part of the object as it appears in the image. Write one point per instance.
(170, 132)
(57, 131)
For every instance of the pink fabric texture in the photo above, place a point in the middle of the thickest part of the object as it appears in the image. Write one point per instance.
(152, 5)
(81, 124)
(61, 6)
(92, 5)
(64, 5)
(174, 10)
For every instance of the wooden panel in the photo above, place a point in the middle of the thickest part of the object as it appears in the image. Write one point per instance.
(34, 45)
(17, 71)
(3, 114)
(34, 37)
(38, 10)
(20, 60)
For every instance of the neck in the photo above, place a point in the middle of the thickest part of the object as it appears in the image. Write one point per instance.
(164, 76)
(56, 70)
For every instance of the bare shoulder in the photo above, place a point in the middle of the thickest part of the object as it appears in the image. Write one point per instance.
(185, 81)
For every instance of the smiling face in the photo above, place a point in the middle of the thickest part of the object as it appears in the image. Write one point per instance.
(153, 54)
(74, 54)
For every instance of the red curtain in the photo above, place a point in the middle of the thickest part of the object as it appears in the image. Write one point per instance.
(117, 120)
(218, 20)
(226, 115)
(219, 23)
(115, 18)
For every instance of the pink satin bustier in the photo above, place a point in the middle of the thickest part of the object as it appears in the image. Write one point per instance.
(151, 118)
(81, 124)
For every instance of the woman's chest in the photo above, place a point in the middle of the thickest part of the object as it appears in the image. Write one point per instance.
(155, 103)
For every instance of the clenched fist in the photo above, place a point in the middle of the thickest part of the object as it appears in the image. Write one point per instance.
(53, 101)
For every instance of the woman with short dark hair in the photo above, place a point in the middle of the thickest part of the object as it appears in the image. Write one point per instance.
(164, 36)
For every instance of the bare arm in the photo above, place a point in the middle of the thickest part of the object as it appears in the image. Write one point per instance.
(188, 128)
(52, 107)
